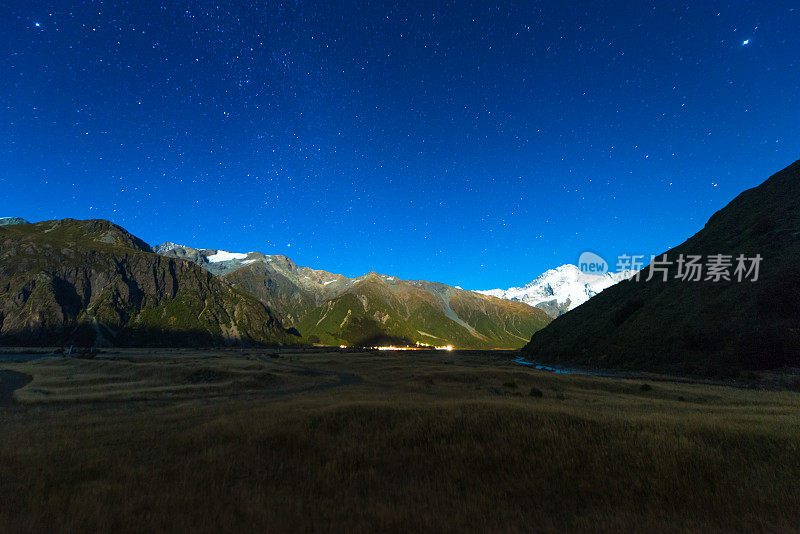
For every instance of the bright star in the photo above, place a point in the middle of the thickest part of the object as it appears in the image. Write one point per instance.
(37, 24)
(746, 42)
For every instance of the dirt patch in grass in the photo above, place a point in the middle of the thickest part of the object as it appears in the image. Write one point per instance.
(9, 382)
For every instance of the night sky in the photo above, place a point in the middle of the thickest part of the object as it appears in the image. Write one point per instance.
(476, 144)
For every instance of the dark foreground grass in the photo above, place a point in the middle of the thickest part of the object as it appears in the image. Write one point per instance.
(376, 459)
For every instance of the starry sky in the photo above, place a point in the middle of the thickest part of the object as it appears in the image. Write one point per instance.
(476, 144)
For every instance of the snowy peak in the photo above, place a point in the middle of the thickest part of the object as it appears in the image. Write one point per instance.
(222, 262)
(214, 260)
(561, 289)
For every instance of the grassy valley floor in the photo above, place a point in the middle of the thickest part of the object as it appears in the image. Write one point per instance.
(266, 440)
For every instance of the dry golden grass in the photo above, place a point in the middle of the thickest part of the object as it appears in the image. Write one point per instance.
(442, 442)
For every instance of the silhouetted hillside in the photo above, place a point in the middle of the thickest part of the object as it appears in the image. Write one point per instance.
(707, 327)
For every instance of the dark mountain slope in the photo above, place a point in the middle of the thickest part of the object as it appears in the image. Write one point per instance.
(88, 282)
(275, 290)
(706, 327)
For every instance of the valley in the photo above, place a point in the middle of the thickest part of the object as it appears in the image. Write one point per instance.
(286, 439)
(399, 267)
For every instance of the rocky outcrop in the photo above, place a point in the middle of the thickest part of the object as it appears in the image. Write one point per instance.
(8, 221)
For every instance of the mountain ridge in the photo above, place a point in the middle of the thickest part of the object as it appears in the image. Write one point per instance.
(8, 221)
(373, 308)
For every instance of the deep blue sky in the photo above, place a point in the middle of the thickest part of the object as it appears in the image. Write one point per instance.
(477, 144)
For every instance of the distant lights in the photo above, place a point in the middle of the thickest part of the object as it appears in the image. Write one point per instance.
(418, 346)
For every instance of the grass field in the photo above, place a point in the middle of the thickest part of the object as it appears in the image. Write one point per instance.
(373, 442)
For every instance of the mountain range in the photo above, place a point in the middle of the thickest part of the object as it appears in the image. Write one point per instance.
(710, 326)
(93, 283)
(560, 290)
(373, 309)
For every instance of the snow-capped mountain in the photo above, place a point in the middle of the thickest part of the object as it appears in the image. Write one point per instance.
(372, 309)
(222, 262)
(561, 289)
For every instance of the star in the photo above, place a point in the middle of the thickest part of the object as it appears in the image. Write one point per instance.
(746, 42)
(37, 24)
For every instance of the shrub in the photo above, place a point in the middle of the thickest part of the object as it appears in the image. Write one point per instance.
(536, 392)
(645, 388)
(510, 384)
